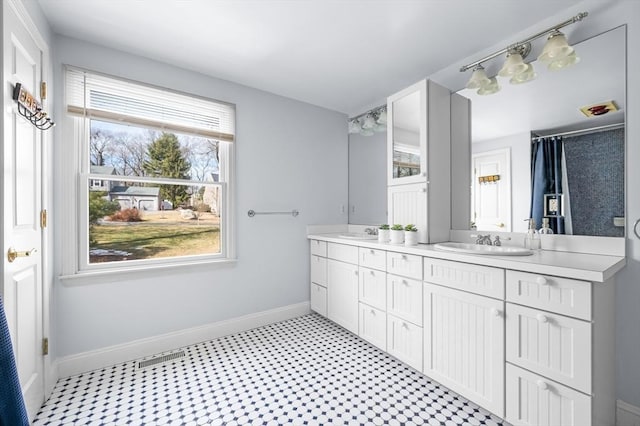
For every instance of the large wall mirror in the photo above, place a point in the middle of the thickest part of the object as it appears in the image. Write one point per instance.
(522, 123)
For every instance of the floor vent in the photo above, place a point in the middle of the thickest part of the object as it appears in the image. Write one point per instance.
(159, 359)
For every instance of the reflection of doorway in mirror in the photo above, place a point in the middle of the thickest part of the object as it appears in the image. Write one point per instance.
(491, 190)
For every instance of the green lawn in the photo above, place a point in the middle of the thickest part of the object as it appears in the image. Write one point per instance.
(149, 241)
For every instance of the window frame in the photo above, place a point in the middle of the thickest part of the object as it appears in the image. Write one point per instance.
(76, 220)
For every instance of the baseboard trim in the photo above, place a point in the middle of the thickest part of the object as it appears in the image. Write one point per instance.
(92, 360)
(627, 414)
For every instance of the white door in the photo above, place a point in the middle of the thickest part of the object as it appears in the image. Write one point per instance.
(464, 344)
(342, 294)
(21, 202)
(491, 197)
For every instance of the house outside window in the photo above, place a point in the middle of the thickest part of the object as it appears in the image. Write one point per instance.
(154, 173)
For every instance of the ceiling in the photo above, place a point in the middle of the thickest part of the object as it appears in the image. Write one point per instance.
(344, 55)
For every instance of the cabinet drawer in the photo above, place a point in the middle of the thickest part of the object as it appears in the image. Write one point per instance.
(319, 299)
(375, 259)
(319, 248)
(482, 280)
(404, 298)
(343, 253)
(560, 295)
(318, 270)
(553, 345)
(373, 326)
(406, 265)
(404, 341)
(373, 288)
(533, 400)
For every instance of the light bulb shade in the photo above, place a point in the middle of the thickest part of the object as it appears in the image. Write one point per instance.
(556, 48)
(491, 88)
(382, 117)
(524, 77)
(512, 65)
(369, 121)
(380, 127)
(565, 62)
(478, 78)
(354, 126)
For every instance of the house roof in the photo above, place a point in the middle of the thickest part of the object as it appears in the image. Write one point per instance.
(103, 170)
(135, 191)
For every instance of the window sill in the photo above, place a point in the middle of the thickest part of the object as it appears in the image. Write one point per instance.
(139, 272)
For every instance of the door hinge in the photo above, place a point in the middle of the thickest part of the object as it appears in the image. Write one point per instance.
(45, 346)
(43, 90)
(43, 218)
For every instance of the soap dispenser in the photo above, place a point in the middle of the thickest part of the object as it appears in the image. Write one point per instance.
(545, 226)
(532, 239)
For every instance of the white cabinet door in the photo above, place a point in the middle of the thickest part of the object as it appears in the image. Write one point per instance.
(404, 298)
(373, 326)
(404, 341)
(342, 294)
(408, 204)
(319, 299)
(464, 344)
(318, 270)
(373, 288)
(533, 400)
(553, 345)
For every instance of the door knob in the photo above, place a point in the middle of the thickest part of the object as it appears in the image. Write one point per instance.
(12, 254)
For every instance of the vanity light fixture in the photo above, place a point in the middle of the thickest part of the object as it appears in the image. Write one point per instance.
(368, 123)
(556, 54)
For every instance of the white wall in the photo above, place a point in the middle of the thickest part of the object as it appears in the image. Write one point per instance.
(289, 155)
(520, 144)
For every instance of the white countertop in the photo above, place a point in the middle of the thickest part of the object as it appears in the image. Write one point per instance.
(589, 267)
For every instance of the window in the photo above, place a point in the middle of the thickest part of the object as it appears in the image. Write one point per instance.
(154, 173)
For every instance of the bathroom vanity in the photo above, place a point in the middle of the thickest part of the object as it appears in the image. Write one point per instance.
(529, 338)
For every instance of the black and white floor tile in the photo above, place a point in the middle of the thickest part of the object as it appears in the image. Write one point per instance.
(304, 371)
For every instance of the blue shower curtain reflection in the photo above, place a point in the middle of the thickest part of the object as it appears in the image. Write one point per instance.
(546, 178)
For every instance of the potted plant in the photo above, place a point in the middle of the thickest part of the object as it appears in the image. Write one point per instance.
(383, 233)
(410, 235)
(396, 234)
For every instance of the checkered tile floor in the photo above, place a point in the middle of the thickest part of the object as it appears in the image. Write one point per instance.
(301, 371)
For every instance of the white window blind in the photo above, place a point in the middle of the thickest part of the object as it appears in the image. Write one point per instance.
(107, 98)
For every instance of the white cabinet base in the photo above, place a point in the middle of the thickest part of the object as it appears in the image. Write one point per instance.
(404, 341)
(373, 326)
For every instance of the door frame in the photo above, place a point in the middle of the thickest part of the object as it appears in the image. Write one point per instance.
(50, 372)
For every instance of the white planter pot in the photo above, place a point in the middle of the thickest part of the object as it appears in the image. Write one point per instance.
(397, 237)
(383, 235)
(410, 238)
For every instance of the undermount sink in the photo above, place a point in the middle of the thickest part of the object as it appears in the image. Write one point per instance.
(482, 249)
(358, 236)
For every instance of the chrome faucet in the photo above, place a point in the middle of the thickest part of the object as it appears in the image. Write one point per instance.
(371, 231)
(484, 239)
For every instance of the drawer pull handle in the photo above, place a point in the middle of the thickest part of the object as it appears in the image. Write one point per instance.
(542, 281)
(542, 385)
(355, 272)
(372, 252)
(405, 282)
(542, 318)
(404, 257)
(373, 312)
(405, 325)
(372, 273)
(495, 312)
